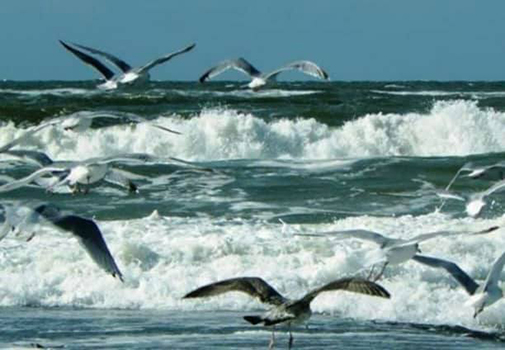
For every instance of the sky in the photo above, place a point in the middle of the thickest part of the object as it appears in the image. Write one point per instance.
(353, 40)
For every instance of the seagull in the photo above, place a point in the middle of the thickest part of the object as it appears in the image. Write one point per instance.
(129, 74)
(476, 201)
(82, 120)
(259, 79)
(284, 311)
(85, 230)
(476, 172)
(79, 122)
(83, 173)
(392, 251)
(483, 295)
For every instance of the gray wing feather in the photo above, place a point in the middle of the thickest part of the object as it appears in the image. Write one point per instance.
(355, 285)
(430, 235)
(461, 276)
(165, 58)
(92, 240)
(495, 272)
(253, 286)
(125, 67)
(307, 67)
(239, 64)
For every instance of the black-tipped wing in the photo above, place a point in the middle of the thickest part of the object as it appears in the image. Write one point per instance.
(239, 64)
(355, 285)
(165, 58)
(306, 67)
(125, 67)
(93, 62)
(253, 286)
(92, 240)
(461, 276)
(430, 235)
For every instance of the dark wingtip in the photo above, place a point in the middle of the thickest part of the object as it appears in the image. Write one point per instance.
(491, 229)
(203, 78)
(118, 276)
(192, 294)
(253, 319)
(382, 292)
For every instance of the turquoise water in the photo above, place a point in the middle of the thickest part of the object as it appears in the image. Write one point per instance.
(317, 156)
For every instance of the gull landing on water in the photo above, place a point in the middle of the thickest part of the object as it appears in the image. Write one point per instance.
(483, 295)
(129, 74)
(259, 79)
(392, 251)
(284, 311)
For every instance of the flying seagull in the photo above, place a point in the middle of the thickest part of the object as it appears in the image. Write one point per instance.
(85, 230)
(259, 79)
(78, 122)
(129, 74)
(483, 295)
(284, 311)
(392, 251)
(476, 201)
(87, 172)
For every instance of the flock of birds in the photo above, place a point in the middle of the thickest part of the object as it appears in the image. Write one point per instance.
(131, 76)
(78, 175)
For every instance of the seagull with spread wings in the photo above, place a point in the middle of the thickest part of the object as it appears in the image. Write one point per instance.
(391, 251)
(24, 218)
(482, 295)
(129, 75)
(284, 311)
(259, 79)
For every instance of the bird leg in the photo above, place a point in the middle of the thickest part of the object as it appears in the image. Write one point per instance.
(369, 277)
(290, 343)
(272, 339)
(381, 272)
(31, 237)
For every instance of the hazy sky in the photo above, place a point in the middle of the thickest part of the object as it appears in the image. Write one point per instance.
(351, 39)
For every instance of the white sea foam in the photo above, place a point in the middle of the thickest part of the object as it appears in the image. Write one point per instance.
(449, 128)
(436, 93)
(164, 258)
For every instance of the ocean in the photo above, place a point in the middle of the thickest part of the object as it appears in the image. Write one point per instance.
(234, 194)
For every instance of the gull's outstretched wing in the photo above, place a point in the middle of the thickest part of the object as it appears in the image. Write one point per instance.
(40, 158)
(28, 133)
(495, 272)
(430, 235)
(498, 186)
(461, 276)
(355, 285)
(253, 286)
(121, 178)
(239, 64)
(307, 67)
(26, 180)
(93, 62)
(165, 58)
(92, 240)
(125, 67)
(357, 233)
